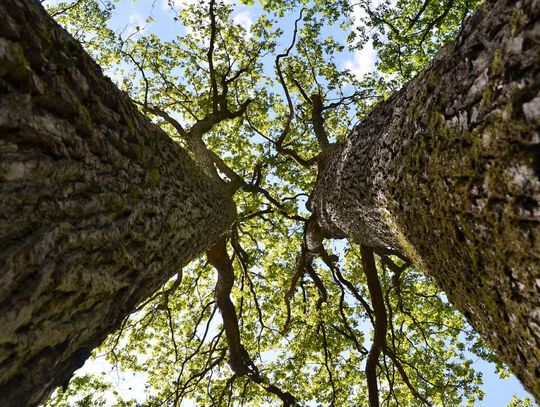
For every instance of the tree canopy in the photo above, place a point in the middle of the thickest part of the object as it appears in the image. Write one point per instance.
(261, 318)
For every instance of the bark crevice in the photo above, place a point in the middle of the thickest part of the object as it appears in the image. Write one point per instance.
(98, 206)
(446, 172)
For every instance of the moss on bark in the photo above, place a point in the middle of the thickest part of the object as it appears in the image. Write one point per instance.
(447, 170)
(98, 206)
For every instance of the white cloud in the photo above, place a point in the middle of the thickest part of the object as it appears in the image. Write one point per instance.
(167, 4)
(136, 24)
(244, 20)
(359, 11)
(363, 61)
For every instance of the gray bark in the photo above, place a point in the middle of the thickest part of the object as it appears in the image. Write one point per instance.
(98, 206)
(447, 171)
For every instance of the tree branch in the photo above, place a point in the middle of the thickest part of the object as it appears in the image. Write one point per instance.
(288, 121)
(210, 55)
(379, 339)
(239, 359)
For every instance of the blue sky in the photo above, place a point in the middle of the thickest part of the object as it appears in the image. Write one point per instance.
(132, 14)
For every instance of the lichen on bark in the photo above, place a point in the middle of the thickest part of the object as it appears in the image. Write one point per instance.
(98, 206)
(447, 171)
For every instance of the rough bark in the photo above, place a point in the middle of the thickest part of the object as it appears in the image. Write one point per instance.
(98, 207)
(447, 171)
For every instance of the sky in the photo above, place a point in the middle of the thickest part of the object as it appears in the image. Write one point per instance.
(132, 14)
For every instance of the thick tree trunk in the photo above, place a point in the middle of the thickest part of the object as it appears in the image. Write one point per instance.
(98, 207)
(447, 170)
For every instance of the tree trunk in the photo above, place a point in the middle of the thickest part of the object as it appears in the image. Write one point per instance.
(98, 206)
(447, 171)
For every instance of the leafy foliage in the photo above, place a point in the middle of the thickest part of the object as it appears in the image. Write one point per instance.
(255, 105)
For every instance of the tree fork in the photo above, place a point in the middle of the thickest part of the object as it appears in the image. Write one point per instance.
(447, 172)
(98, 206)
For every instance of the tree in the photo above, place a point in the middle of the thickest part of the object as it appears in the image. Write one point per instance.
(447, 171)
(99, 206)
(224, 98)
